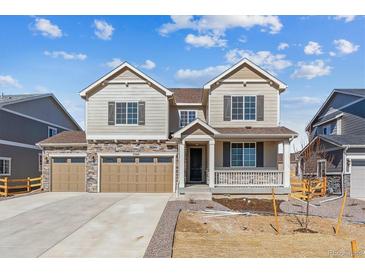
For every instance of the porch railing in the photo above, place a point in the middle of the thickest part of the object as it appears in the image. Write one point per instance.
(249, 178)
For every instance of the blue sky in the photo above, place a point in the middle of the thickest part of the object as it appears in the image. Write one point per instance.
(64, 54)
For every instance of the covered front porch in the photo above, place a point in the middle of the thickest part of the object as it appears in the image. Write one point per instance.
(232, 165)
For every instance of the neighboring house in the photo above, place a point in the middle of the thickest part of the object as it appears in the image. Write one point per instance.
(143, 137)
(24, 121)
(293, 163)
(337, 138)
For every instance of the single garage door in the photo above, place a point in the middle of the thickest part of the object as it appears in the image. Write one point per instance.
(136, 174)
(68, 174)
(357, 189)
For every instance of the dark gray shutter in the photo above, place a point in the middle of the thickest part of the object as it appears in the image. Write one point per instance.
(260, 154)
(227, 108)
(141, 113)
(260, 107)
(226, 154)
(111, 113)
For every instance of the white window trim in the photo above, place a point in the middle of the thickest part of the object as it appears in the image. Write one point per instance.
(6, 159)
(126, 113)
(40, 162)
(187, 110)
(243, 118)
(325, 166)
(243, 154)
(52, 128)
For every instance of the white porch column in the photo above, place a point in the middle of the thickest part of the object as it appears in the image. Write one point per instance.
(211, 163)
(286, 163)
(182, 164)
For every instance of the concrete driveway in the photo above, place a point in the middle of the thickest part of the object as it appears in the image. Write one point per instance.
(79, 224)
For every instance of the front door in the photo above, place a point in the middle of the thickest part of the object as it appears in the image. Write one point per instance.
(196, 157)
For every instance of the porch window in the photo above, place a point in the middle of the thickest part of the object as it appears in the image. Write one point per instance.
(186, 117)
(243, 154)
(5, 166)
(126, 113)
(244, 108)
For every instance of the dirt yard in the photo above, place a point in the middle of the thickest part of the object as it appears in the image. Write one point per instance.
(199, 234)
(248, 204)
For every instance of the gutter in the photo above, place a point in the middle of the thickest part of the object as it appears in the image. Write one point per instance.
(61, 144)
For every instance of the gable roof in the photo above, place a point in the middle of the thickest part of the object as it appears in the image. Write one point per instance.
(187, 95)
(355, 92)
(345, 140)
(19, 98)
(282, 85)
(178, 133)
(65, 138)
(84, 92)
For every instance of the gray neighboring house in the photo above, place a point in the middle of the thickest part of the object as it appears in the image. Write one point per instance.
(25, 119)
(338, 131)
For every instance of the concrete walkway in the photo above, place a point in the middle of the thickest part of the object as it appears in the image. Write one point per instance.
(79, 224)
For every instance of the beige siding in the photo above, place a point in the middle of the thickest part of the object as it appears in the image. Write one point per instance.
(243, 73)
(174, 115)
(270, 153)
(270, 104)
(155, 112)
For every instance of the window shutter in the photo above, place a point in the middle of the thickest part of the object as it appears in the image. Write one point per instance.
(111, 113)
(141, 113)
(260, 107)
(226, 154)
(260, 154)
(227, 108)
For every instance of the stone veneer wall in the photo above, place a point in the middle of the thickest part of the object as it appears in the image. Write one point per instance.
(91, 160)
(124, 146)
(46, 159)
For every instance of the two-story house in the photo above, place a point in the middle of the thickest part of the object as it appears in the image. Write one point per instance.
(336, 146)
(143, 137)
(26, 119)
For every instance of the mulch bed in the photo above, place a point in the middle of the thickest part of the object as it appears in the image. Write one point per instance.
(248, 204)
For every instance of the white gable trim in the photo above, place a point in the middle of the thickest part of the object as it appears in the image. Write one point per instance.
(282, 86)
(84, 92)
(178, 133)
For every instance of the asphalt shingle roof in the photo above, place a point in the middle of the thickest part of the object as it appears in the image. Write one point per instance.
(187, 95)
(256, 130)
(13, 98)
(66, 137)
(354, 91)
(345, 139)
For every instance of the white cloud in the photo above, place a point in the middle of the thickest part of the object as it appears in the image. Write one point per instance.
(46, 28)
(66, 55)
(313, 48)
(266, 59)
(114, 63)
(345, 47)
(206, 41)
(346, 18)
(103, 30)
(148, 64)
(310, 70)
(332, 53)
(283, 46)
(199, 76)
(302, 100)
(7, 80)
(218, 24)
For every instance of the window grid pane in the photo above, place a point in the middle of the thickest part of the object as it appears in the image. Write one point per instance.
(132, 113)
(237, 155)
(186, 117)
(249, 154)
(250, 108)
(237, 108)
(126, 113)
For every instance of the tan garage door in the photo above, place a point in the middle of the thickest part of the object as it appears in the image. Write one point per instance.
(68, 174)
(136, 174)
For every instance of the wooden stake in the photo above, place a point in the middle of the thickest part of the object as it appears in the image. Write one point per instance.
(354, 249)
(275, 212)
(341, 213)
(6, 187)
(28, 184)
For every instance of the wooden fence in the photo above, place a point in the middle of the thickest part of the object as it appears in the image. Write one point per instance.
(18, 186)
(317, 187)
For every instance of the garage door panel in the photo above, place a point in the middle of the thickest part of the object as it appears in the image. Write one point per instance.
(137, 174)
(68, 174)
(357, 189)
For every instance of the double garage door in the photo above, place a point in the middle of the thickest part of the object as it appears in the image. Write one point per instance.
(357, 179)
(117, 174)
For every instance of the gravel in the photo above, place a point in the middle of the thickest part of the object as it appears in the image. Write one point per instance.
(354, 209)
(162, 240)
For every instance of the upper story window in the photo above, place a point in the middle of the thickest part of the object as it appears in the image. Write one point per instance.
(186, 117)
(244, 108)
(5, 166)
(243, 154)
(52, 131)
(328, 129)
(126, 113)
